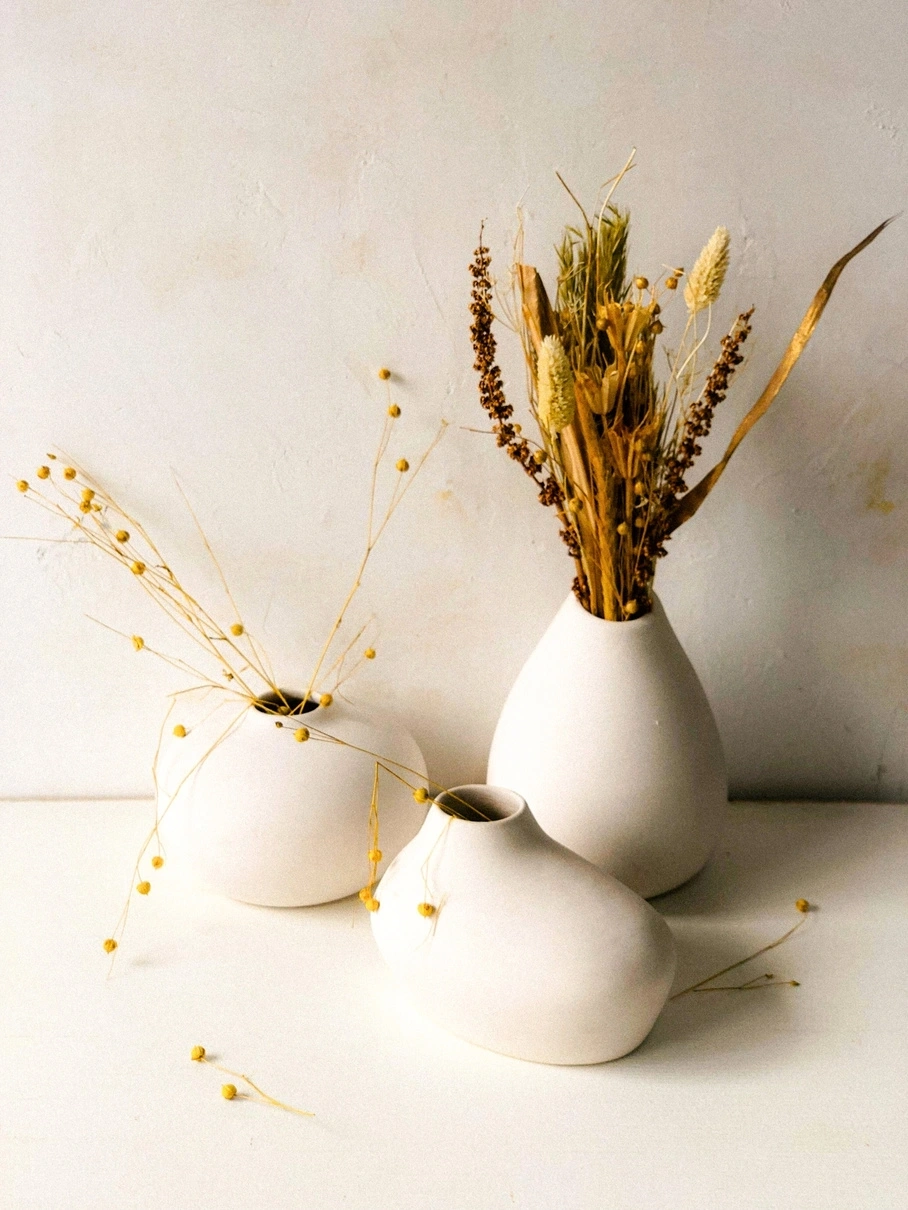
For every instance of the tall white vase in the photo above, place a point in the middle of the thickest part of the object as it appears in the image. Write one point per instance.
(505, 938)
(608, 734)
(260, 817)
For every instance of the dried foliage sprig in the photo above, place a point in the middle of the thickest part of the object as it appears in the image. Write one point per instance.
(617, 443)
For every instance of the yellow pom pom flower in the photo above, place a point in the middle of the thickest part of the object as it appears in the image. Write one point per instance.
(375, 856)
(228, 1091)
(421, 794)
(109, 945)
(197, 1054)
(122, 535)
(179, 731)
(22, 485)
(426, 909)
(156, 862)
(326, 699)
(138, 642)
(69, 472)
(402, 465)
(393, 411)
(369, 653)
(301, 734)
(43, 472)
(237, 629)
(143, 887)
(138, 568)
(384, 374)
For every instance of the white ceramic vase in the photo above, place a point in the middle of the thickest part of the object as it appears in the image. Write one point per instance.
(530, 950)
(265, 819)
(608, 734)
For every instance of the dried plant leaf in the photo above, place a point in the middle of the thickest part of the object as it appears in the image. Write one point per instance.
(537, 310)
(688, 504)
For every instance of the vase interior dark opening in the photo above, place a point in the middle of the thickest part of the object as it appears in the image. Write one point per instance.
(480, 804)
(285, 703)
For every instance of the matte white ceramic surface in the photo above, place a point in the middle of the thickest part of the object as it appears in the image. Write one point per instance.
(531, 951)
(268, 820)
(608, 734)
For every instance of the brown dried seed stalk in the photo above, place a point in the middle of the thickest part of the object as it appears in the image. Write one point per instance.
(492, 399)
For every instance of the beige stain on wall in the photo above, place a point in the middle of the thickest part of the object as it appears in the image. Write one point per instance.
(876, 475)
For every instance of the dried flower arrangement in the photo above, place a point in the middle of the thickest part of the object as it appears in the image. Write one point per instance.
(617, 445)
(231, 663)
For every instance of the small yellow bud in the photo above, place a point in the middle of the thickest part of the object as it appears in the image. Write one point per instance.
(138, 568)
(157, 861)
(369, 653)
(655, 309)
(365, 894)
(630, 607)
(326, 699)
(372, 904)
(671, 283)
(84, 506)
(122, 535)
(278, 723)
(641, 282)
(138, 642)
(228, 1091)
(393, 411)
(301, 735)
(43, 472)
(96, 508)
(575, 504)
(622, 529)
(518, 429)
(69, 472)
(638, 488)
(403, 465)
(640, 348)
(375, 856)
(638, 522)
(143, 887)
(421, 794)
(539, 456)
(22, 485)
(88, 493)
(384, 374)
(109, 945)
(802, 905)
(179, 731)
(237, 629)
(658, 327)
(426, 909)
(197, 1054)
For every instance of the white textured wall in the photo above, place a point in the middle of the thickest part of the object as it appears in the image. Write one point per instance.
(219, 218)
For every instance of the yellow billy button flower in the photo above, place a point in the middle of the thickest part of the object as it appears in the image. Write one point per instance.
(43, 472)
(623, 528)
(426, 909)
(375, 856)
(84, 506)
(641, 282)
(369, 653)
(384, 374)
(109, 945)
(402, 465)
(228, 1091)
(671, 283)
(326, 699)
(539, 456)
(301, 734)
(197, 1054)
(365, 894)
(157, 862)
(237, 629)
(179, 731)
(421, 794)
(138, 642)
(22, 485)
(393, 411)
(138, 568)
(802, 905)
(122, 535)
(88, 493)
(143, 887)
(69, 472)
(372, 904)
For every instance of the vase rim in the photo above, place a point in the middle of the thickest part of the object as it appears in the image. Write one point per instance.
(504, 805)
(312, 706)
(629, 624)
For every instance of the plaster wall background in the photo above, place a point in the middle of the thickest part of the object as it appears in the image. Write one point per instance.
(220, 219)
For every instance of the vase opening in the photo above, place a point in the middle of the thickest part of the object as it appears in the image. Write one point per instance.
(480, 804)
(285, 703)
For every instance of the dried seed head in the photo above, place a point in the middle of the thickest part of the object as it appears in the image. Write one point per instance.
(109, 945)
(138, 642)
(539, 456)
(69, 472)
(237, 629)
(426, 909)
(143, 887)
(43, 472)
(22, 485)
(802, 905)
(301, 734)
(641, 282)
(671, 283)
(421, 794)
(557, 401)
(393, 411)
(122, 535)
(197, 1054)
(402, 465)
(157, 861)
(179, 731)
(138, 568)
(84, 506)
(369, 653)
(88, 493)
(708, 274)
(384, 374)
(326, 699)
(228, 1091)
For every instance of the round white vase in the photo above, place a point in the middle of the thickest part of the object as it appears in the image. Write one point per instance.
(258, 816)
(530, 950)
(608, 734)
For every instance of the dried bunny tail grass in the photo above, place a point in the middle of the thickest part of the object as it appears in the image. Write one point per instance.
(705, 281)
(557, 401)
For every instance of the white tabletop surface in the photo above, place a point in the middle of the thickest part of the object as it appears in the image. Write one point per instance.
(781, 1099)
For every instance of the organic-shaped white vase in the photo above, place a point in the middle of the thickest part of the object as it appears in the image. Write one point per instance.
(608, 734)
(530, 950)
(260, 817)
